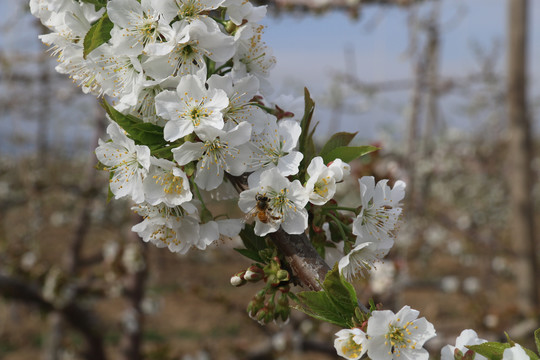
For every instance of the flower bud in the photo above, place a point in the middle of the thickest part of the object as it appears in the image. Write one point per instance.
(189, 169)
(230, 27)
(283, 275)
(238, 279)
(256, 304)
(254, 273)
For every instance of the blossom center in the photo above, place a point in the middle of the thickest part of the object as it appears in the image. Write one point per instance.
(321, 186)
(351, 349)
(280, 202)
(398, 338)
(171, 184)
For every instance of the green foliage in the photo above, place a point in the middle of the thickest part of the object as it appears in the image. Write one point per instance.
(335, 304)
(97, 3)
(491, 350)
(337, 140)
(537, 340)
(255, 245)
(495, 350)
(142, 133)
(348, 153)
(305, 143)
(98, 34)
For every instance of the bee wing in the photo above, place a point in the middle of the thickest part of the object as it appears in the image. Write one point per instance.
(250, 215)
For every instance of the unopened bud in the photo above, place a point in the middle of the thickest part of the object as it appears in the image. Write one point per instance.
(230, 27)
(238, 279)
(283, 275)
(256, 304)
(254, 273)
(189, 169)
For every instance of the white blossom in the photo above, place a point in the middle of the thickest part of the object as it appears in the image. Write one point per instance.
(350, 343)
(321, 185)
(187, 10)
(219, 152)
(176, 228)
(253, 56)
(358, 261)
(129, 162)
(398, 336)
(240, 94)
(467, 337)
(515, 352)
(284, 201)
(190, 108)
(184, 53)
(166, 183)
(137, 25)
(274, 148)
(380, 211)
(240, 10)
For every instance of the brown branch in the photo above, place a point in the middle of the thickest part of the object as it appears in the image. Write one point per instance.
(305, 261)
(81, 319)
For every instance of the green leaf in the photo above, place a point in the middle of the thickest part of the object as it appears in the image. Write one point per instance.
(305, 123)
(250, 254)
(305, 143)
(98, 34)
(318, 305)
(142, 133)
(339, 139)
(348, 153)
(532, 355)
(254, 244)
(340, 291)
(336, 303)
(110, 194)
(97, 3)
(491, 350)
(537, 340)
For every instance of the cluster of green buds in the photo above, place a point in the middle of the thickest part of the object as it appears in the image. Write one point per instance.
(272, 302)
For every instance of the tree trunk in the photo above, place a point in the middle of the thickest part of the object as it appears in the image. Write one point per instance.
(521, 152)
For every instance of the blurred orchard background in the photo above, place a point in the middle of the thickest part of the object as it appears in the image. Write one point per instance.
(449, 91)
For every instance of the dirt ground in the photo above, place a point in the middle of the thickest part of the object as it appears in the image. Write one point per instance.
(192, 311)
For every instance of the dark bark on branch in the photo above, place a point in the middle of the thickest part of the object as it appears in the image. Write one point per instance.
(135, 288)
(304, 260)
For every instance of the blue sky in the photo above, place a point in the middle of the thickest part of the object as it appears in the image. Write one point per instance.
(310, 48)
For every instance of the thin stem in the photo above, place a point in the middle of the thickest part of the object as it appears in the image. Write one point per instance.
(337, 207)
(339, 225)
(198, 193)
(265, 108)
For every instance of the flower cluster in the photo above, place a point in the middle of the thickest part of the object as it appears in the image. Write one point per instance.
(192, 73)
(193, 119)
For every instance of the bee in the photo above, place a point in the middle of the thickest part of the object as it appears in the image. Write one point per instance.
(262, 210)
